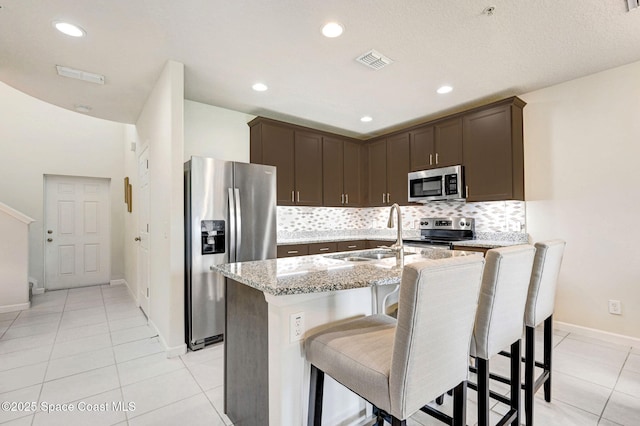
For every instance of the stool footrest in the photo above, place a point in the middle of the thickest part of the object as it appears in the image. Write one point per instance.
(493, 394)
(437, 414)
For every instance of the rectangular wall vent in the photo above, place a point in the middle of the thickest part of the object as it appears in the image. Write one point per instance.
(80, 75)
(374, 59)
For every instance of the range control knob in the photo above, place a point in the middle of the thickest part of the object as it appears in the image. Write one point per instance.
(463, 223)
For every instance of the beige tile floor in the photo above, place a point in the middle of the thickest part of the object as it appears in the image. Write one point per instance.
(91, 347)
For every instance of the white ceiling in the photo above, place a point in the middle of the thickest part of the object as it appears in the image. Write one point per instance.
(227, 45)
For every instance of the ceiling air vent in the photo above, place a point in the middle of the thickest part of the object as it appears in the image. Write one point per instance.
(80, 75)
(633, 4)
(373, 59)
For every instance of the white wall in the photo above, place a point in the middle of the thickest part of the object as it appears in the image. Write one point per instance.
(161, 128)
(582, 145)
(37, 138)
(14, 259)
(215, 132)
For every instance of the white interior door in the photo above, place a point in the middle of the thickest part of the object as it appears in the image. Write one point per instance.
(143, 231)
(77, 231)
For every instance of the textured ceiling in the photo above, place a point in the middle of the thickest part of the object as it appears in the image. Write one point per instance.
(226, 46)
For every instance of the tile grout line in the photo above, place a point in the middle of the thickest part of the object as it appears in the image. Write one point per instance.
(115, 361)
(204, 392)
(614, 386)
(33, 419)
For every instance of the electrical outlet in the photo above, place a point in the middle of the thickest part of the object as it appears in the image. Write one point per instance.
(296, 326)
(615, 307)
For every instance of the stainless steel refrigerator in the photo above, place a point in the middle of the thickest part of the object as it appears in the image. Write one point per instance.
(230, 216)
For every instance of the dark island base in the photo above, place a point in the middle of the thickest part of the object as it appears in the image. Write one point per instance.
(246, 357)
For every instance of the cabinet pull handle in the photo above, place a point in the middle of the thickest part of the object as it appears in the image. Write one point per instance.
(324, 249)
(352, 246)
(436, 158)
(292, 199)
(431, 159)
(347, 198)
(388, 198)
(383, 198)
(298, 193)
(342, 199)
(467, 190)
(292, 252)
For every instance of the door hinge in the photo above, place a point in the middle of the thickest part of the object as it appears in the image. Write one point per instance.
(147, 291)
(147, 227)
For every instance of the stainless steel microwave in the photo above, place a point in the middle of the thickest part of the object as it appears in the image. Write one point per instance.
(445, 183)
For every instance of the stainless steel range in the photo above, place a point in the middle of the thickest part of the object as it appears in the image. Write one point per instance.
(441, 232)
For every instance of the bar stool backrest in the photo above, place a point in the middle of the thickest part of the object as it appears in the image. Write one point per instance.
(436, 310)
(544, 278)
(500, 317)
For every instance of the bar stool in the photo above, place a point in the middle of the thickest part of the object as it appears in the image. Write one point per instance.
(499, 323)
(399, 366)
(539, 309)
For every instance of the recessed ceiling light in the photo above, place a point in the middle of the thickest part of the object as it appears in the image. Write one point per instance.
(259, 87)
(69, 29)
(366, 119)
(332, 30)
(444, 89)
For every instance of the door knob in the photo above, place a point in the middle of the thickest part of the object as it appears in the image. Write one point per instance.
(49, 239)
(137, 239)
(49, 231)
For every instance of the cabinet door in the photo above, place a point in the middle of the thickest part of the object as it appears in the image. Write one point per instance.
(308, 169)
(278, 150)
(333, 165)
(377, 173)
(487, 154)
(352, 174)
(398, 167)
(448, 143)
(422, 149)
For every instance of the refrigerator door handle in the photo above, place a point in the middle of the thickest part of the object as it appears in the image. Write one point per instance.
(238, 221)
(232, 227)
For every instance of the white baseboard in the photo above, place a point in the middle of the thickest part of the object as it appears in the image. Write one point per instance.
(170, 351)
(12, 308)
(117, 282)
(38, 290)
(618, 339)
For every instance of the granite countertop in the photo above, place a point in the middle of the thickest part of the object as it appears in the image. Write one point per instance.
(321, 273)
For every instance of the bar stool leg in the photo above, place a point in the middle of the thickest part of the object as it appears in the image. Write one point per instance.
(460, 404)
(483, 391)
(316, 387)
(529, 368)
(396, 422)
(548, 349)
(515, 381)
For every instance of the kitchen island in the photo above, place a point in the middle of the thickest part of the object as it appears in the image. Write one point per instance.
(272, 304)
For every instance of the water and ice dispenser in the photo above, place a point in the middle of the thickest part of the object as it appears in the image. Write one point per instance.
(213, 236)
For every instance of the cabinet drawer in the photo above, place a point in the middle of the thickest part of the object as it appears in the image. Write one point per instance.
(321, 248)
(293, 250)
(482, 250)
(352, 245)
(373, 244)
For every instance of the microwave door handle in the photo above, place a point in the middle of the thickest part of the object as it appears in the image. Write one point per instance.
(232, 227)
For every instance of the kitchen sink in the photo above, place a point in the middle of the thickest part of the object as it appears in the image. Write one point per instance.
(366, 256)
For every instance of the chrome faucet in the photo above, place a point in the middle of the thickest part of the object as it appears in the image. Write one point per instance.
(398, 244)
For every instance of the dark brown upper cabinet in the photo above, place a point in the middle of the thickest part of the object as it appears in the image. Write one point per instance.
(493, 154)
(341, 173)
(437, 145)
(297, 155)
(389, 164)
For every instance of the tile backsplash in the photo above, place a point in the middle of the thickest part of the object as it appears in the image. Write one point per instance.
(494, 216)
